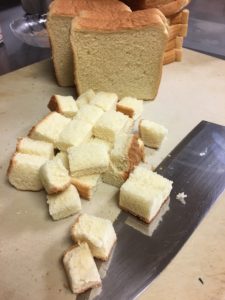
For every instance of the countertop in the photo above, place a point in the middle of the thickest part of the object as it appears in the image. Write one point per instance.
(31, 244)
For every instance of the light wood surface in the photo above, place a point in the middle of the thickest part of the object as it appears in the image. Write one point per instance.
(31, 244)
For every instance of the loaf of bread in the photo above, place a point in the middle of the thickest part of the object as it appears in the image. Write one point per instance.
(81, 269)
(144, 193)
(61, 13)
(98, 233)
(64, 204)
(123, 52)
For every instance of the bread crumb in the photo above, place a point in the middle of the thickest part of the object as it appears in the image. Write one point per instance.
(181, 197)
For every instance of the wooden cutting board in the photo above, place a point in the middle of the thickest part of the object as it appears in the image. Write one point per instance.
(31, 244)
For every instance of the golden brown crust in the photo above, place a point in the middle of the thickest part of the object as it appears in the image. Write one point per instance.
(55, 190)
(53, 104)
(134, 153)
(180, 18)
(170, 8)
(125, 110)
(119, 21)
(177, 30)
(172, 56)
(35, 126)
(176, 43)
(11, 164)
(84, 189)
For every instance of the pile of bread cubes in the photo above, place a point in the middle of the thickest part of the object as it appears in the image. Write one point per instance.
(75, 147)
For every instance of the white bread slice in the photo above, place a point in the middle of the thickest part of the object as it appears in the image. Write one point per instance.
(86, 185)
(65, 105)
(74, 134)
(130, 106)
(126, 152)
(61, 13)
(85, 98)
(114, 177)
(63, 157)
(30, 146)
(98, 233)
(144, 193)
(89, 113)
(88, 159)
(81, 269)
(126, 52)
(152, 133)
(49, 128)
(109, 125)
(106, 101)
(23, 171)
(54, 177)
(64, 204)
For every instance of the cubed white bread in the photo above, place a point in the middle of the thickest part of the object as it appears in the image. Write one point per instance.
(86, 185)
(152, 133)
(64, 204)
(104, 143)
(98, 233)
(130, 106)
(81, 269)
(85, 98)
(144, 193)
(54, 176)
(63, 157)
(109, 125)
(49, 128)
(23, 171)
(129, 125)
(126, 152)
(88, 159)
(114, 177)
(64, 105)
(106, 101)
(142, 149)
(74, 134)
(89, 113)
(30, 146)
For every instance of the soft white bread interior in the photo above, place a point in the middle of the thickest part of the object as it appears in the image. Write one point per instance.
(98, 233)
(109, 125)
(86, 185)
(144, 193)
(89, 113)
(54, 176)
(126, 52)
(85, 98)
(23, 171)
(128, 127)
(104, 143)
(75, 133)
(88, 159)
(65, 105)
(63, 157)
(105, 101)
(49, 128)
(81, 269)
(61, 13)
(130, 106)
(30, 146)
(114, 177)
(152, 133)
(64, 204)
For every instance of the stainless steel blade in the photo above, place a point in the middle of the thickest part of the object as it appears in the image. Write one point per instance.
(197, 167)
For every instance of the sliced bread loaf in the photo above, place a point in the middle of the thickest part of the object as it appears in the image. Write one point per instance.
(123, 52)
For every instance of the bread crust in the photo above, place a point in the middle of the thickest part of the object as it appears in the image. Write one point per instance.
(168, 9)
(35, 126)
(147, 221)
(134, 153)
(83, 188)
(172, 56)
(125, 110)
(177, 30)
(55, 190)
(179, 18)
(53, 104)
(176, 43)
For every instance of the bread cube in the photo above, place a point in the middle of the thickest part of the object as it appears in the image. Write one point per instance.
(106, 101)
(128, 126)
(141, 149)
(23, 171)
(109, 125)
(63, 157)
(98, 233)
(152, 133)
(85, 98)
(144, 193)
(54, 176)
(64, 105)
(64, 204)
(88, 159)
(89, 113)
(101, 142)
(86, 185)
(74, 134)
(30, 146)
(114, 177)
(130, 106)
(81, 269)
(49, 128)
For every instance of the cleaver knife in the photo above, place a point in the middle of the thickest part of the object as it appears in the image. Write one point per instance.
(197, 168)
